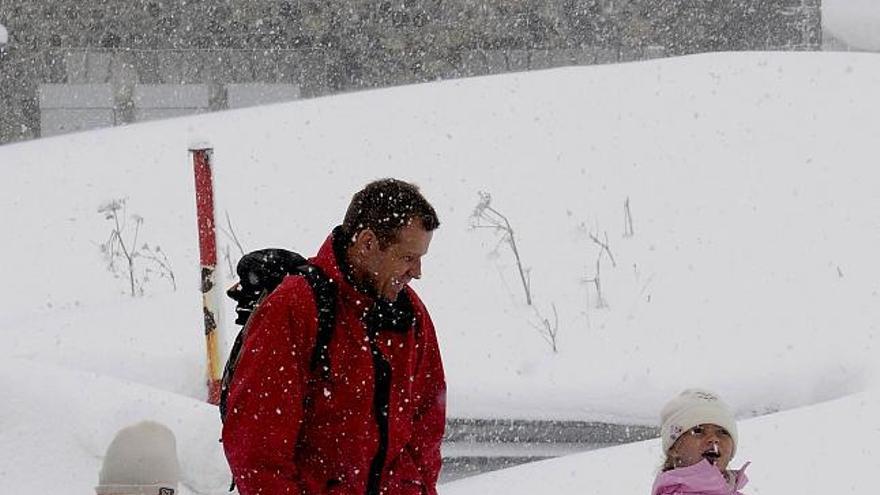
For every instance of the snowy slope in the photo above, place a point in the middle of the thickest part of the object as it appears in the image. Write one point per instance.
(752, 268)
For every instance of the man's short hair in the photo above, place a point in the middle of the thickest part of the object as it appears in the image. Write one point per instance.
(385, 206)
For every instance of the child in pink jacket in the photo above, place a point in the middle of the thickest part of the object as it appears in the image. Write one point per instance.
(699, 436)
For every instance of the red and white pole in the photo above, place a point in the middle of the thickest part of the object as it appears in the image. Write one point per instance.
(208, 257)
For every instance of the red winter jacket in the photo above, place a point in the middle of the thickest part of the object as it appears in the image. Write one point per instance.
(289, 431)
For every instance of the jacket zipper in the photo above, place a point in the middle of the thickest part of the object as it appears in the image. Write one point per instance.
(381, 400)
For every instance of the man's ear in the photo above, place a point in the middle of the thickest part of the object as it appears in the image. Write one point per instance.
(366, 241)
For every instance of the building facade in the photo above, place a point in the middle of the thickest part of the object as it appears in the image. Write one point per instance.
(78, 64)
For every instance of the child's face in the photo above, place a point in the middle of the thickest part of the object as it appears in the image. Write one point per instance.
(706, 441)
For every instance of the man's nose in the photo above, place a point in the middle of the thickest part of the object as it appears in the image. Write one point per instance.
(415, 270)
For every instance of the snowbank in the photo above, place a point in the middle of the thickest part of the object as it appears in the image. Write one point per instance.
(752, 267)
(57, 424)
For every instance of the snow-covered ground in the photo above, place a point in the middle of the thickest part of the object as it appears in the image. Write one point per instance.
(751, 269)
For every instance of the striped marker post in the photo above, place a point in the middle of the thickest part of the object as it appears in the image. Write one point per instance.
(208, 257)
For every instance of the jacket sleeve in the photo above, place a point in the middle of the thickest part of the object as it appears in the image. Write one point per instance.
(429, 418)
(265, 401)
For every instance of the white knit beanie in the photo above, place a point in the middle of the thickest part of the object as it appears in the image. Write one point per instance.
(694, 407)
(141, 460)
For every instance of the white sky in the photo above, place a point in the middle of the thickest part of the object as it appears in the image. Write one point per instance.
(856, 22)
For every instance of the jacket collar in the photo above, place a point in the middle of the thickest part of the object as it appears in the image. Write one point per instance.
(331, 258)
(701, 477)
(376, 312)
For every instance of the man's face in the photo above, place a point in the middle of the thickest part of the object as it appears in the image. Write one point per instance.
(392, 268)
(706, 441)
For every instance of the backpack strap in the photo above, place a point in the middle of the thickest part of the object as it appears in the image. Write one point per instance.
(324, 291)
(234, 356)
(325, 301)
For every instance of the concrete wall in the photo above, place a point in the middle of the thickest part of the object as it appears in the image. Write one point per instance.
(253, 94)
(165, 101)
(75, 107)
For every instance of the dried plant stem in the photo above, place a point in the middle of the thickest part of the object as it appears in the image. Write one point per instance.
(628, 219)
(546, 330)
(231, 234)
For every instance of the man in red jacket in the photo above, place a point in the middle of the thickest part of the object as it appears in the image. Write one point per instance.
(373, 422)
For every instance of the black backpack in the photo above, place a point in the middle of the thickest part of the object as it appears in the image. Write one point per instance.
(259, 273)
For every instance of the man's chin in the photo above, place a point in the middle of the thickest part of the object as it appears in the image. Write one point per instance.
(392, 294)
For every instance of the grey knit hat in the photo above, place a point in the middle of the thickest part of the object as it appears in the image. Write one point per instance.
(694, 407)
(141, 460)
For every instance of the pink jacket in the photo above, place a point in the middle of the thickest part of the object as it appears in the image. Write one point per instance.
(700, 479)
